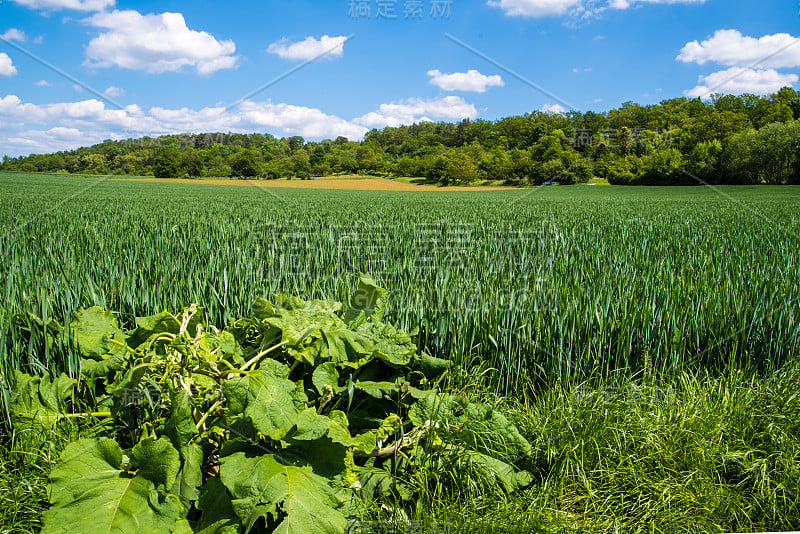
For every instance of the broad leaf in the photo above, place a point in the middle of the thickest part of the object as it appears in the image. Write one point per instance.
(368, 300)
(217, 516)
(326, 375)
(93, 328)
(91, 493)
(302, 501)
(272, 404)
(190, 477)
(429, 366)
(157, 461)
(156, 324)
(391, 345)
(180, 427)
(508, 476)
(38, 399)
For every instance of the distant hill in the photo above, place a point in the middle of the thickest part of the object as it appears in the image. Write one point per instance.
(745, 139)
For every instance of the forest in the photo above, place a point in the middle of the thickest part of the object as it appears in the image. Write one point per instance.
(728, 139)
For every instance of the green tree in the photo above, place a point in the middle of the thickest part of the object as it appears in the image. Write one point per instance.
(461, 169)
(248, 163)
(167, 164)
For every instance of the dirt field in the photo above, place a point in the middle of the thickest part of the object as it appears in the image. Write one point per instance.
(355, 183)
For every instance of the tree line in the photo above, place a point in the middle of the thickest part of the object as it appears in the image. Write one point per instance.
(746, 139)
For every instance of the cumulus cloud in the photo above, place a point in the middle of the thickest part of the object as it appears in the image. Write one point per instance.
(418, 110)
(155, 43)
(14, 34)
(553, 108)
(77, 5)
(114, 91)
(43, 83)
(738, 80)
(731, 48)
(472, 80)
(535, 8)
(580, 8)
(625, 4)
(94, 121)
(309, 48)
(7, 67)
(26, 127)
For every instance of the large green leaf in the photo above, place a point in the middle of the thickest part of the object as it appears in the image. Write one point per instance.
(311, 426)
(489, 431)
(38, 400)
(157, 461)
(326, 375)
(272, 404)
(156, 324)
(302, 501)
(93, 328)
(100, 341)
(475, 425)
(429, 366)
(91, 493)
(369, 300)
(489, 467)
(180, 427)
(217, 516)
(390, 344)
(300, 325)
(190, 477)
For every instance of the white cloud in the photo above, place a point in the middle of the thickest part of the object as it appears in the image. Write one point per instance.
(731, 48)
(535, 8)
(578, 8)
(113, 92)
(77, 5)
(27, 127)
(155, 43)
(418, 110)
(14, 34)
(7, 67)
(77, 88)
(43, 83)
(309, 48)
(625, 4)
(90, 121)
(553, 108)
(472, 80)
(737, 80)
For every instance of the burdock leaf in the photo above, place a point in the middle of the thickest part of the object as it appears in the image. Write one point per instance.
(91, 493)
(38, 400)
(302, 501)
(157, 461)
(272, 404)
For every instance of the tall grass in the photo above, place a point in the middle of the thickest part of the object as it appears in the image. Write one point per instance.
(705, 453)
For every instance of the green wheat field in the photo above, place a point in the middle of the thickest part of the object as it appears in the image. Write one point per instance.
(644, 339)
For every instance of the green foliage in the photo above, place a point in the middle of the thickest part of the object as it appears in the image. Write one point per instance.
(95, 488)
(167, 164)
(247, 163)
(39, 400)
(770, 155)
(523, 150)
(287, 408)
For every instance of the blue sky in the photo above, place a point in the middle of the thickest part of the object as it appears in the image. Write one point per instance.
(75, 72)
